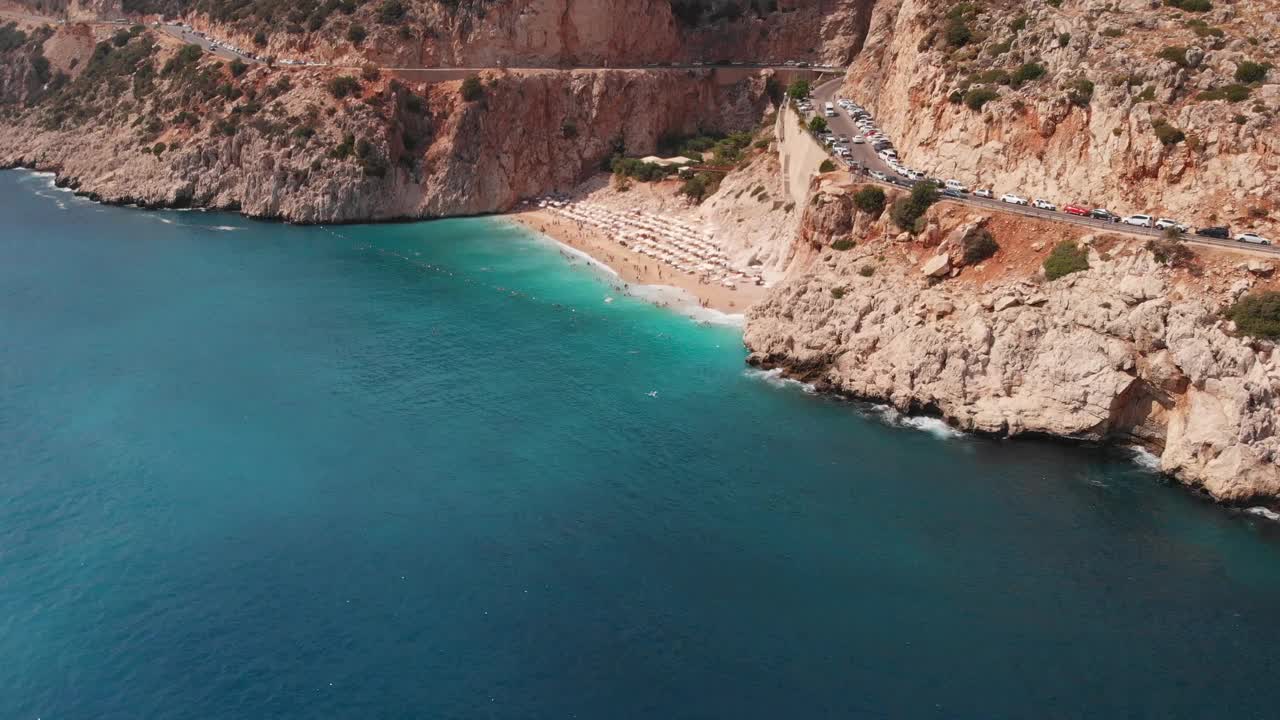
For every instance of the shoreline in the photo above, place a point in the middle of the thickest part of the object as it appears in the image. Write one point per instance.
(646, 278)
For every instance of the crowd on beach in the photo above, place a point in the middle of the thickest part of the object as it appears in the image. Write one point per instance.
(668, 240)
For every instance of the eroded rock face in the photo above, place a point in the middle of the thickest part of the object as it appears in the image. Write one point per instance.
(1101, 355)
(532, 133)
(1086, 130)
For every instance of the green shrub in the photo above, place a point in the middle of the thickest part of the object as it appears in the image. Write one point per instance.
(837, 292)
(867, 270)
(391, 12)
(1148, 94)
(1066, 258)
(978, 97)
(1258, 314)
(260, 39)
(907, 211)
(472, 89)
(121, 38)
(1028, 72)
(827, 166)
(1190, 5)
(1019, 24)
(1113, 32)
(1064, 40)
(1175, 54)
(1171, 251)
(870, 200)
(1202, 29)
(1080, 92)
(799, 89)
(843, 244)
(958, 33)
(238, 67)
(1234, 92)
(343, 85)
(1167, 134)
(1250, 72)
(978, 245)
(817, 124)
(356, 34)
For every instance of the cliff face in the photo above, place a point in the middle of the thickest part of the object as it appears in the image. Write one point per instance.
(281, 144)
(1134, 106)
(494, 33)
(1123, 351)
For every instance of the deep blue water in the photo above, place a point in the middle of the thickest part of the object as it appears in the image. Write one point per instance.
(414, 471)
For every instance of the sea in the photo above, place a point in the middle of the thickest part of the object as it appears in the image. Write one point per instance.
(451, 470)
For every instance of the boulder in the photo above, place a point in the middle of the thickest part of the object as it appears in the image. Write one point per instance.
(937, 266)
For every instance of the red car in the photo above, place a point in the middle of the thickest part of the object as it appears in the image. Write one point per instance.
(1076, 210)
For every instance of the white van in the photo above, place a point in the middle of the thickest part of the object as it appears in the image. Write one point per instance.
(957, 186)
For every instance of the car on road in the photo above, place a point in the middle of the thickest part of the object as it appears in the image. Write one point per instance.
(1044, 205)
(1013, 199)
(1104, 214)
(1222, 232)
(879, 176)
(1079, 210)
(1166, 223)
(952, 192)
(983, 193)
(857, 140)
(956, 185)
(1252, 238)
(1145, 221)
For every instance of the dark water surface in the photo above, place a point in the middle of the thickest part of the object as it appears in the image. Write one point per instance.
(414, 471)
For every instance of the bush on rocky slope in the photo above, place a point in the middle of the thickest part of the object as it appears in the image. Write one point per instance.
(1066, 258)
(1258, 314)
(870, 200)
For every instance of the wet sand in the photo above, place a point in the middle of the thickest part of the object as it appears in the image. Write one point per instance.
(633, 267)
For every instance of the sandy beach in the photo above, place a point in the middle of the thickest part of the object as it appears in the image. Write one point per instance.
(633, 267)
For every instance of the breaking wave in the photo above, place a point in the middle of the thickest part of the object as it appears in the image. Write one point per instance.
(775, 378)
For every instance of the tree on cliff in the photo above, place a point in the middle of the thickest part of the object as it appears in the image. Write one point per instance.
(798, 90)
(817, 124)
(1065, 259)
(1258, 314)
(471, 89)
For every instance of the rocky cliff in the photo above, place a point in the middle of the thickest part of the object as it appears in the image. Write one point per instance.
(1129, 350)
(139, 122)
(1136, 106)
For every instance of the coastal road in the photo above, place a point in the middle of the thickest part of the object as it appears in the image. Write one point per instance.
(842, 124)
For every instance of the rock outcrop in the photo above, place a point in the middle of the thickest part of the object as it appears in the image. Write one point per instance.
(284, 144)
(1137, 106)
(1115, 353)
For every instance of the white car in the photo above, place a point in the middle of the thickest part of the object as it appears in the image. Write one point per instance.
(857, 140)
(1139, 220)
(1044, 205)
(1166, 223)
(879, 176)
(1252, 238)
(982, 193)
(956, 185)
(1013, 199)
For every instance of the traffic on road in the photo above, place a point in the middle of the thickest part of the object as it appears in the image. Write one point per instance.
(853, 138)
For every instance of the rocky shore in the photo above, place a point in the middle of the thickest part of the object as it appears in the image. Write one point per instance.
(1128, 351)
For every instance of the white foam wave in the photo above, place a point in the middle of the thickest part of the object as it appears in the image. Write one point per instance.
(1264, 512)
(164, 220)
(936, 427)
(775, 378)
(226, 228)
(1145, 458)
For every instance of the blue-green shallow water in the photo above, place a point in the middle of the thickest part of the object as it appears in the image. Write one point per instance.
(413, 471)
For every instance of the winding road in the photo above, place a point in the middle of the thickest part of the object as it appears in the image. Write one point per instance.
(841, 124)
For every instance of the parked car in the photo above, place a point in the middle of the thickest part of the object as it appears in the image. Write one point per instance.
(1252, 238)
(1139, 220)
(1044, 204)
(952, 192)
(879, 176)
(982, 193)
(1076, 210)
(1166, 223)
(956, 185)
(1222, 232)
(1103, 214)
(857, 140)
(1013, 199)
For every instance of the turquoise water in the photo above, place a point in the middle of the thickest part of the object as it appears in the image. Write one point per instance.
(415, 471)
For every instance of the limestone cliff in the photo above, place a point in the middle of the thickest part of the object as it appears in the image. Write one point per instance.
(1128, 350)
(1135, 106)
(139, 123)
